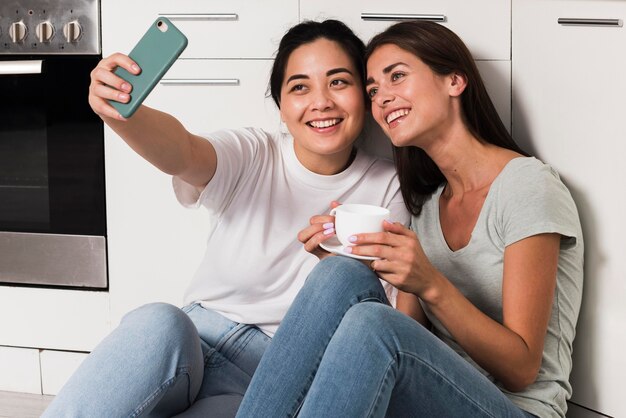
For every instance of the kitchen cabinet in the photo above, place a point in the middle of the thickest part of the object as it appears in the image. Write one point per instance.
(211, 94)
(61, 319)
(568, 108)
(484, 25)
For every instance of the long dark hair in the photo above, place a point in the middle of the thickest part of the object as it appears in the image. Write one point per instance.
(307, 32)
(444, 52)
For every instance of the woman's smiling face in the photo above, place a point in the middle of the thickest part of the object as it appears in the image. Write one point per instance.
(409, 101)
(322, 104)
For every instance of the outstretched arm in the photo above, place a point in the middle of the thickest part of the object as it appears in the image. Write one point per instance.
(158, 137)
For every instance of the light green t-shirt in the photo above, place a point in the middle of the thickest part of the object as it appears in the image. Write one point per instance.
(527, 198)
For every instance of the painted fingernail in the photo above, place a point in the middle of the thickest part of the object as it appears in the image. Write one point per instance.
(352, 238)
(328, 225)
(329, 231)
(347, 250)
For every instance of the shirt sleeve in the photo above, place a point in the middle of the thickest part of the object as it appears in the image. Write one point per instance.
(533, 200)
(236, 150)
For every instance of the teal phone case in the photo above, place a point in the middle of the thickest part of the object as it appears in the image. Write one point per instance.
(155, 53)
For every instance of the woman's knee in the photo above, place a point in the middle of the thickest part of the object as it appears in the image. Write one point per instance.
(376, 324)
(370, 321)
(337, 274)
(159, 321)
(370, 316)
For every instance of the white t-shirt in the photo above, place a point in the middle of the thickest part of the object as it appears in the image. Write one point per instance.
(261, 197)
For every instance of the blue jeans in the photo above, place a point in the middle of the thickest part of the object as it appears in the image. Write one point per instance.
(162, 361)
(341, 351)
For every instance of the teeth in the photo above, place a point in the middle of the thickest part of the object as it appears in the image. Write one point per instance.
(324, 123)
(395, 115)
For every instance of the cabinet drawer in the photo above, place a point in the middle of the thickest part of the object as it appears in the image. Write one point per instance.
(215, 29)
(484, 25)
(206, 95)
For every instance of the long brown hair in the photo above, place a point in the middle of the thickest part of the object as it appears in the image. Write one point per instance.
(445, 53)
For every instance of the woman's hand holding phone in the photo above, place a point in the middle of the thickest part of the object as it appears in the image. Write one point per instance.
(107, 86)
(125, 81)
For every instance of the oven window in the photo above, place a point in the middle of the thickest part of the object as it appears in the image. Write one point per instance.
(51, 149)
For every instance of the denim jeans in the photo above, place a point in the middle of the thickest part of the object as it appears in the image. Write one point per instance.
(341, 351)
(162, 361)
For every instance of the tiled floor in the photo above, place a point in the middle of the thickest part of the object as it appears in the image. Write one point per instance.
(22, 405)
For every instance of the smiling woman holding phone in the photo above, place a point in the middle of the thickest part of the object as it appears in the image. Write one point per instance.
(266, 190)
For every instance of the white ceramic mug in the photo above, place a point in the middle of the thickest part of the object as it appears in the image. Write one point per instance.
(354, 218)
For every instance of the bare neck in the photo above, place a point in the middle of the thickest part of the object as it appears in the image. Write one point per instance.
(467, 163)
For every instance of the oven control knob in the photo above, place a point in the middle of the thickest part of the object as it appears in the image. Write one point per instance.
(44, 31)
(17, 31)
(72, 31)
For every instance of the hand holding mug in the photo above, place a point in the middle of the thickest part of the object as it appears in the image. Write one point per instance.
(320, 229)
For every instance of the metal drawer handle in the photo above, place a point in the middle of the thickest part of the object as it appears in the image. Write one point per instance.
(202, 16)
(200, 82)
(589, 22)
(20, 67)
(400, 17)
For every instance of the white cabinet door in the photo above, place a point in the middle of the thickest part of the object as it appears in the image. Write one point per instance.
(61, 319)
(568, 107)
(211, 94)
(215, 29)
(484, 25)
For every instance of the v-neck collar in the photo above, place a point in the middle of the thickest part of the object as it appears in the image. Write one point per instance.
(488, 198)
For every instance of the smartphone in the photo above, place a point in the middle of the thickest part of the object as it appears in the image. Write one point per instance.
(155, 53)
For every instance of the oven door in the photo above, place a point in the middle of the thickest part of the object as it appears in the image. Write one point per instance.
(52, 197)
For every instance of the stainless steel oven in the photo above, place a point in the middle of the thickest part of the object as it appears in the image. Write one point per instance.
(52, 195)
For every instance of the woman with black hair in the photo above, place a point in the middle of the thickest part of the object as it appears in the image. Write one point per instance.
(491, 269)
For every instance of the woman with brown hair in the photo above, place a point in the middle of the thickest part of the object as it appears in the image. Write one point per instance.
(491, 268)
